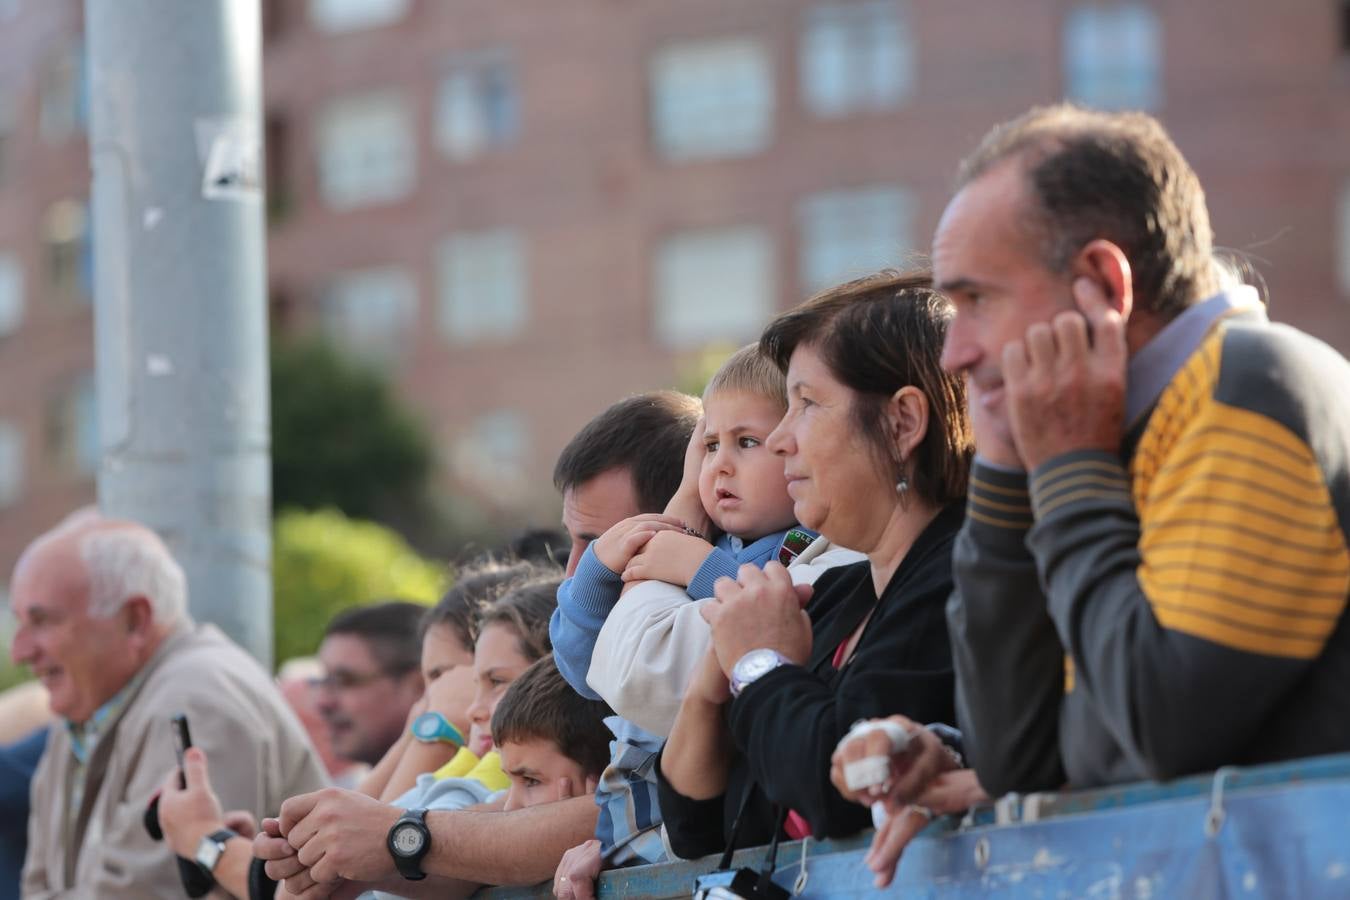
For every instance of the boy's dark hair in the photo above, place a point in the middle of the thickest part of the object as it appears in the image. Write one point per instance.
(391, 629)
(541, 705)
(526, 607)
(1111, 175)
(475, 587)
(646, 434)
(879, 334)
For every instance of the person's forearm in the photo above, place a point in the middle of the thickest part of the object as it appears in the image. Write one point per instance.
(418, 758)
(520, 847)
(1007, 655)
(696, 756)
(231, 871)
(374, 783)
(688, 508)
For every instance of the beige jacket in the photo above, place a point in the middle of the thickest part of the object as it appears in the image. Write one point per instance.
(654, 638)
(257, 752)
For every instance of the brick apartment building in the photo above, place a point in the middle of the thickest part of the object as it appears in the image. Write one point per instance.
(523, 210)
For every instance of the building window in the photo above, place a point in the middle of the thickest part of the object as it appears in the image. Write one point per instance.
(367, 153)
(478, 107)
(11, 464)
(354, 15)
(494, 454)
(68, 252)
(63, 100)
(850, 233)
(11, 294)
(713, 285)
(483, 286)
(1113, 56)
(712, 99)
(857, 57)
(72, 427)
(371, 312)
(1343, 241)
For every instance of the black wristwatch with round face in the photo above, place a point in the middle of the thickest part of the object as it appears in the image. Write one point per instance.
(408, 842)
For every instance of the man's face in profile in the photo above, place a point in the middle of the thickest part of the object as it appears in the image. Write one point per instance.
(82, 660)
(988, 262)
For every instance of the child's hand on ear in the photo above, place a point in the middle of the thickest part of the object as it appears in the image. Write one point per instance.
(686, 505)
(670, 556)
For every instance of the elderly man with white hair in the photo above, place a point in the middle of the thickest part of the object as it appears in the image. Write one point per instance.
(103, 623)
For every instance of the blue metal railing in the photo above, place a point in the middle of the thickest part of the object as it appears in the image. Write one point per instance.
(1266, 831)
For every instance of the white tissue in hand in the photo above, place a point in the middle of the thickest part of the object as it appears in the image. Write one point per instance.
(870, 771)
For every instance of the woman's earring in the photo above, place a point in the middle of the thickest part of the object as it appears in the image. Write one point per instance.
(902, 486)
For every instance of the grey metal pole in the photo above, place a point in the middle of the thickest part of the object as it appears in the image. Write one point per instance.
(180, 292)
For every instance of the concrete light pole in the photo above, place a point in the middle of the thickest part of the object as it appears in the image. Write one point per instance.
(175, 89)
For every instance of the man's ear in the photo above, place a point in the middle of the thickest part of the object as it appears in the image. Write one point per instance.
(139, 617)
(907, 419)
(1105, 263)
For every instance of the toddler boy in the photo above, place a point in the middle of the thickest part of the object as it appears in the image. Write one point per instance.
(744, 493)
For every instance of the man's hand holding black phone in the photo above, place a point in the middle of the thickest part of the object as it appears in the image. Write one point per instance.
(181, 809)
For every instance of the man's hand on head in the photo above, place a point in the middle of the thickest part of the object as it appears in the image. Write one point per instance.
(670, 556)
(339, 835)
(1065, 380)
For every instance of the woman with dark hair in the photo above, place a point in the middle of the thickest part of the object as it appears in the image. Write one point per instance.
(877, 448)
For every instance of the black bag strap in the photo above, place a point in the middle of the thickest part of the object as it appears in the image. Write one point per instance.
(779, 817)
(725, 862)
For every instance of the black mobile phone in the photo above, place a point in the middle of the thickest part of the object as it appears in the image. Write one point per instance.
(182, 739)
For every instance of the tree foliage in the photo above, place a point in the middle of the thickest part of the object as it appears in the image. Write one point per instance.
(324, 562)
(340, 438)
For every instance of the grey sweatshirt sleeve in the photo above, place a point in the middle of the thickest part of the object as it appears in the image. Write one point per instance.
(1168, 674)
(1008, 658)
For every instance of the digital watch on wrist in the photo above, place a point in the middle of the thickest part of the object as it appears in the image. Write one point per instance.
(433, 728)
(408, 842)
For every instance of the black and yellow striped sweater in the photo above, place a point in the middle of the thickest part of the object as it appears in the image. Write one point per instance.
(1176, 608)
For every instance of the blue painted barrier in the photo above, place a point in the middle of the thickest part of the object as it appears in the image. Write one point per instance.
(1272, 831)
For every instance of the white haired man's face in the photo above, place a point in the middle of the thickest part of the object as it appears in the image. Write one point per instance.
(81, 660)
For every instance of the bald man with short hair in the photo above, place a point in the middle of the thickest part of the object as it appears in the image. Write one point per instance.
(103, 624)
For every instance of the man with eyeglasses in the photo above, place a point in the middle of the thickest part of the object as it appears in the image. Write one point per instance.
(371, 657)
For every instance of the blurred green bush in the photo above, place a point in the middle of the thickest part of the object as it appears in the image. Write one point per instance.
(324, 562)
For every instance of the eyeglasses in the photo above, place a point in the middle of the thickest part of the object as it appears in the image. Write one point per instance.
(347, 680)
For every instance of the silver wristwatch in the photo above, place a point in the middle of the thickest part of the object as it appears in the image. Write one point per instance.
(211, 848)
(753, 666)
